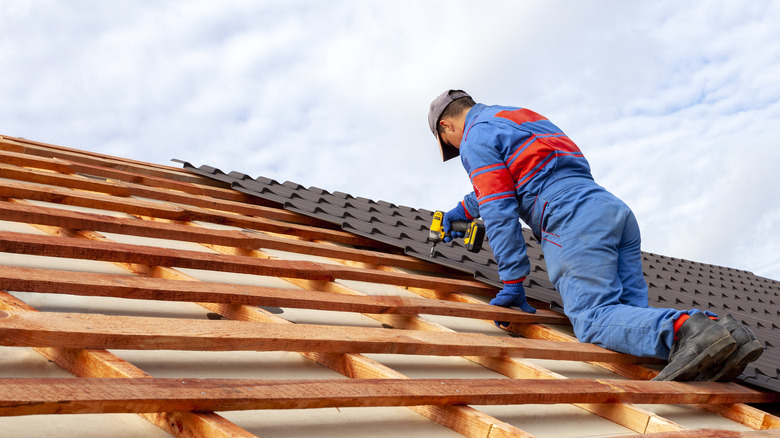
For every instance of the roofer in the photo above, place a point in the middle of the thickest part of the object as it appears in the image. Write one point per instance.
(522, 166)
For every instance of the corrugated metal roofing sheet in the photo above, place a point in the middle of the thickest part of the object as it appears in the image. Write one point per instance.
(672, 282)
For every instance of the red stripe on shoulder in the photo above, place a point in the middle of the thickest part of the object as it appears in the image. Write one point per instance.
(530, 160)
(521, 116)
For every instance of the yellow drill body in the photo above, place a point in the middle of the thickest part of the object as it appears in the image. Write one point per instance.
(474, 232)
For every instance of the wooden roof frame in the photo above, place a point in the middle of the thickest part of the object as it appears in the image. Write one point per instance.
(169, 203)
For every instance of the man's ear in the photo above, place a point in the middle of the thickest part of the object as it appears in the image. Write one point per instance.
(446, 124)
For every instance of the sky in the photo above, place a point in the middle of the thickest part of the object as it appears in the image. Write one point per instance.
(675, 104)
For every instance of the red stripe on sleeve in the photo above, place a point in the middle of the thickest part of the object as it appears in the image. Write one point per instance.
(486, 169)
(487, 199)
(493, 182)
(466, 210)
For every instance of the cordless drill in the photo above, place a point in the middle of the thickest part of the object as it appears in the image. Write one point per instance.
(475, 232)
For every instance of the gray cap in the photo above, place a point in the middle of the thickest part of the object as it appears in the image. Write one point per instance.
(434, 114)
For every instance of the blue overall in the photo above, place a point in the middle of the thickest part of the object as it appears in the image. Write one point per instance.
(524, 167)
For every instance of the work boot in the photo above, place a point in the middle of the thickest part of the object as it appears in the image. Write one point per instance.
(748, 350)
(701, 345)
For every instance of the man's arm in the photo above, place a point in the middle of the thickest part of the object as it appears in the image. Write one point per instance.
(497, 204)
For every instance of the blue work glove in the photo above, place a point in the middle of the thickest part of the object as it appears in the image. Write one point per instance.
(456, 214)
(513, 295)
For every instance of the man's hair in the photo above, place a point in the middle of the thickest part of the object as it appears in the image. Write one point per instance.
(454, 109)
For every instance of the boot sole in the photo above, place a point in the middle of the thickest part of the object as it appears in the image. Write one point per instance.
(719, 351)
(737, 362)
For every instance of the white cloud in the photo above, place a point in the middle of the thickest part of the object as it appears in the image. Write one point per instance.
(674, 104)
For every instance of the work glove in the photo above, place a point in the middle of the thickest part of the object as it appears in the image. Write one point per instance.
(513, 295)
(456, 214)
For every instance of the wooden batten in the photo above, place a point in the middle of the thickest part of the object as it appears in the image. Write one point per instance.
(88, 395)
(76, 330)
(119, 286)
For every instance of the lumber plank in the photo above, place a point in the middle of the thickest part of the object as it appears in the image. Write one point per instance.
(90, 395)
(121, 286)
(35, 214)
(48, 246)
(750, 416)
(124, 189)
(31, 147)
(138, 207)
(74, 330)
(72, 167)
(23, 243)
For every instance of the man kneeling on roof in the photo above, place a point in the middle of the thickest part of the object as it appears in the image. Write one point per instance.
(522, 166)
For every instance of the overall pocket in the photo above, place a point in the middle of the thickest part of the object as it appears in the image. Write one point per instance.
(537, 217)
(540, 218)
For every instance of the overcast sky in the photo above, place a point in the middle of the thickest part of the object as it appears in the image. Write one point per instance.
(675, 104)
